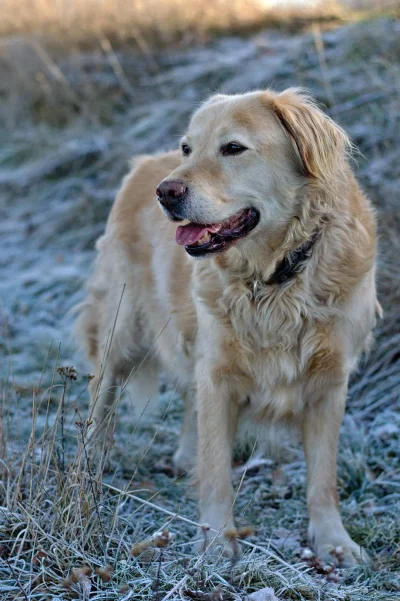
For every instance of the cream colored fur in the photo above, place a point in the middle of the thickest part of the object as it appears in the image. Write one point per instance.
(281, 356)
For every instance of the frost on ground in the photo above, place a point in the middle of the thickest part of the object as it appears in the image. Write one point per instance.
(65, 530)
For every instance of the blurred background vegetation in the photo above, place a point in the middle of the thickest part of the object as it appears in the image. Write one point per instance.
(81, 23)
(56, 55)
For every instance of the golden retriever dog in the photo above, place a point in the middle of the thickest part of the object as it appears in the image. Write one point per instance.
(244, 266)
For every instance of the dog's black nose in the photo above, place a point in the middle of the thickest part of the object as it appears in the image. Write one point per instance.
(170, 192)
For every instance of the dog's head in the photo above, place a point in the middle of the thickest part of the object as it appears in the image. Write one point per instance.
(245, 159)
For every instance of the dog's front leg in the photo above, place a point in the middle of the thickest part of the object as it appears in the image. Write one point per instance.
(217, 424)
(321, 423)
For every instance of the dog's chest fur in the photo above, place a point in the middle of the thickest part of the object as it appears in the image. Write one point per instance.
(273, 343)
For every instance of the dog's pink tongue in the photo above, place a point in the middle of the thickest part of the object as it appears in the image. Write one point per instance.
(190, 233)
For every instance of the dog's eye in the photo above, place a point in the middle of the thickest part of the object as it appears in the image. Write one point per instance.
(185, 149)
(232, 148)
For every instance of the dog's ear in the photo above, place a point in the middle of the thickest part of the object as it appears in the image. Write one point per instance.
(321, 144)
(214, 98)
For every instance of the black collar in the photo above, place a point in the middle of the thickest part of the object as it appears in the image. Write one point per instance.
(290, 266)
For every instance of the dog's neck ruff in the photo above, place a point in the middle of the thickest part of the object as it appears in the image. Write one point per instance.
(291, 265)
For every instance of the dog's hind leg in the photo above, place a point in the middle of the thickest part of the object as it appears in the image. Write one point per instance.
(142, 388)
(185, 455)
(103, 397)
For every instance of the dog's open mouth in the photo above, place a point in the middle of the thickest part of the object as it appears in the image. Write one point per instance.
(200, 239)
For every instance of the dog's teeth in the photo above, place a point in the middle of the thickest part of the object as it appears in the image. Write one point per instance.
(205, 238)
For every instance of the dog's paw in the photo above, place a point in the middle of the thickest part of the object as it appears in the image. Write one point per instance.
(332, 543)
(344, 554)
(183, 463)
(217, 544)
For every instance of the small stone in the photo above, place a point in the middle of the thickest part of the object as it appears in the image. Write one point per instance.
(306, 553)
